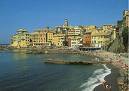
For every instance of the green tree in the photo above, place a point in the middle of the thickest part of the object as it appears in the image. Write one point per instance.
(65, 43)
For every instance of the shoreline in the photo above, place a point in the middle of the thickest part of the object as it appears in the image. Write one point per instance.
(111, 79)
(119, 64)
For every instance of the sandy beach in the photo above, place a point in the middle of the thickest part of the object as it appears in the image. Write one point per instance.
(120, 64)
(111, 79)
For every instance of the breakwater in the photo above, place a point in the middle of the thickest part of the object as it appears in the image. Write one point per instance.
(77, 62)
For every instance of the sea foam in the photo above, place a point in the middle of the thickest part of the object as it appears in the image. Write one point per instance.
(96, 79)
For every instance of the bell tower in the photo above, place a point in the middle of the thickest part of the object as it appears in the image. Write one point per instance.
(66, 23)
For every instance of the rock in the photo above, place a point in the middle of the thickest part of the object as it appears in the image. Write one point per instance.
(116, 46)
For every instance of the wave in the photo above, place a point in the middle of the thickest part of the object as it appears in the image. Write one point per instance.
(96, 79)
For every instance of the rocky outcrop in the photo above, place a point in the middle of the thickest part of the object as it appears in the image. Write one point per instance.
(116, 45)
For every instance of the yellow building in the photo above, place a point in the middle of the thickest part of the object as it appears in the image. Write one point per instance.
(90, 28)
(111, 29)
(38, 38)
(15, 44)
(42, 38)
(23, 43)
(107, 27)
(58, 39)
(21, 39)
(49, 38)
(101, 38)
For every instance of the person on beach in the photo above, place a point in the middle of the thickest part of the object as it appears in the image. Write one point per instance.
(107, 86)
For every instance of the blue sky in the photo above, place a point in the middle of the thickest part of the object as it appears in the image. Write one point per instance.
(32, 14)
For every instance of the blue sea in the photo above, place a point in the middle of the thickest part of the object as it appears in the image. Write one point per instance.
(28, 72)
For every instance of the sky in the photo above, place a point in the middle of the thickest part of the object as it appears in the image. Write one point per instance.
(33, 14)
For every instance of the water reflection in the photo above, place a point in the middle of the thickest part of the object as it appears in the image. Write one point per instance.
(20, 56)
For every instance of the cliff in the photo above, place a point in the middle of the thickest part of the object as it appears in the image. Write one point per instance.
(116, 45)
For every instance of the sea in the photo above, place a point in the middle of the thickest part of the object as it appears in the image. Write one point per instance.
(28, 72)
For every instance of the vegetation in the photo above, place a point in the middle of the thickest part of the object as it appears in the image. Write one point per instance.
(116, 45)
(125, 37)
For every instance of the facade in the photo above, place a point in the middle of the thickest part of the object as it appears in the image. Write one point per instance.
(58, 39)
(87, 39)
(59, 29)
(74, 41)
(107, 27)
(21, 39)
(65, 35)
(74, 37)
(49, 38)
(126, 18)
(74, 31)
(38, 38)
(90, 28)
(100, 38)
(42, 38)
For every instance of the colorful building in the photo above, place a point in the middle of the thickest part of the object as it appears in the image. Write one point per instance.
(49, 38)
(58, 39)
(74, 31)
(107, 27)
(38, 38)
(87, 39)
(21, 39)
(74, 41)
(90, 28)
(101, 38)
(65, 35)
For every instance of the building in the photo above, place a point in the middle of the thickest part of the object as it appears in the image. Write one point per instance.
(107, 27)
(74, 41)
(101, 38)
(66, 24)
(74, 31)
(126, 18)
(49, 38)
(125, 21)
(111, 29)
(59, 29)
(87, 39)
(42, 37)
(39, 38)
(90, 28)
(58, 39)
(21, 39)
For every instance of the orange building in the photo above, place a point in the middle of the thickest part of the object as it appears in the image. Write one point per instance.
(87, 39)
(39, 38)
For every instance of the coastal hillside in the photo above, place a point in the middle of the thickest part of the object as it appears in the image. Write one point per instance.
(120, 44)
(116, 46)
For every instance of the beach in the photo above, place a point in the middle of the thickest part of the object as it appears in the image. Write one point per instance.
(121, 66)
